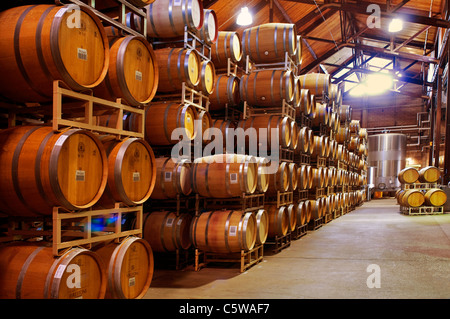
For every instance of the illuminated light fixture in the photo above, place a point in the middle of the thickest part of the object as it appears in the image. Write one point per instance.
(396, 25)
(244, 17)
(375, 84)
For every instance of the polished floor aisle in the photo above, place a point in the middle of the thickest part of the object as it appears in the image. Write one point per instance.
(406, 256)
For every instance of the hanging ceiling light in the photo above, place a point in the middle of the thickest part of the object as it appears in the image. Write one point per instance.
(244, 17)
(396, 25)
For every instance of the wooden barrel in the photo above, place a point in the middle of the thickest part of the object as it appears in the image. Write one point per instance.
(354, 143)
(319, 147)
(279, 182)
(225, 93)
(263, 174)
(161, 119)
(205, 120)
(177, 66)
(40, 169)
(267, 87)
(292, 215)
(262, 226)
(316, 208)
(363, 135)
(322, 115)
(303, 178)
(31, 271)
(335, 93)
(207, 77)
(293, 176)
(167, 232)
(133, 73)
(168, 19)
(269, 42)
(429, 174)
(294, 136)
(311, 141)
(408, 175)
(269, 122)
(308, 210)
(318, 177)
(210, 28)
(172, 178)
(131, 171)
(224, 175)
(310, 176)
(224, 231)
(226, 128)
(296, 100)
(345, 113)
(343, 134)
(128, 266)
(304, 105)
(412, 198)
(303, 140)
(227, 46)
(41, 44)
(301, 210)
(317, 83)
(278, 220)
(435, 197)
(298, 56)
(326, 174)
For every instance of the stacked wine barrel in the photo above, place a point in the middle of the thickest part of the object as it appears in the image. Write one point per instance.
(421, 192)
(72, 171)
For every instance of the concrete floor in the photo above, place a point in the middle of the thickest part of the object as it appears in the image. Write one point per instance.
(412, 252)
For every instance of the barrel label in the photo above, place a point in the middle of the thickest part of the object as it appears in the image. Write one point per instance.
(233, 178)
(168, 177)
(233, 231)
(131, 281)
(136, 177)
(82, 54)
(138, 75)
(59, 271)
(169, 222)
(80, 176)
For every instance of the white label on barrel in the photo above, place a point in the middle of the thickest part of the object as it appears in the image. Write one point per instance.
(168, 177)
(136, 177)
(138, 75)
(233, 231)
(131, 282)
(233, 178)
(82, 54)
(176, 3)
(169, 222)
(80, 176)
(60, 271)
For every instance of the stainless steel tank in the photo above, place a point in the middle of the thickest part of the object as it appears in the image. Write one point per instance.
(387, 152)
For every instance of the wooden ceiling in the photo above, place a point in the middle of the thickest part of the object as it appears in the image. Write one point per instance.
(337, 38)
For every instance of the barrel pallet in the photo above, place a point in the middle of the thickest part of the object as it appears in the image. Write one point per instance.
(177, 260)
(180, 204)
(79, 225)
(303, 120)
(285, 109)
(328, 218)
(124, 7)
(247, 259)
(246, 203)
(281, 199)
(24, 228)
(299, 231)
(316, 193)
(422, 210)
(231, 69)
(422, 186)
(301, 195)
(187, 95)
(231, 113)
(319, 161)
(278, 243)
(287, 65)
(315, 223)
(302, 159)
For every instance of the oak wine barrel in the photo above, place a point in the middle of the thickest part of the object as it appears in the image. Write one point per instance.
(31, 271)
(224, 175)
(345, 113)
(278, 221)
(131, 171)
(177, 66)
(435, 197)
(41, 169)
(129, 267)
(224, 231)
(263, 174)
(207, 78)
(412, 198)
(172, 178)
(161, 119)
(226, 92)
(429, 174)
(269, 42)
(304, 104)
(294, 136)
(317, 209)
(279, 182)
(209, 31)
(408, 175)
(301, 210)
(168, 19)
(167, 232)
(226, 128)
(133, 72)
(303, 178)
(41, 44)
(292, 215)
(303, 140)
(262, 226)
(308, 206)
(227, 46)
(317, 83)
(267, 87)
(293, 176)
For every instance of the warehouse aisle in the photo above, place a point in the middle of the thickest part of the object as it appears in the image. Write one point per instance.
(412, 253)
